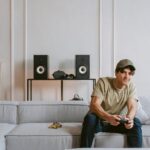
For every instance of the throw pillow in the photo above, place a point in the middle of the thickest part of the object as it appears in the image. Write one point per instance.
(141, 114)
(145, 102)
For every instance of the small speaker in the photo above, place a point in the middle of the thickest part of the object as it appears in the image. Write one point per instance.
(40, 67)
(82, 66)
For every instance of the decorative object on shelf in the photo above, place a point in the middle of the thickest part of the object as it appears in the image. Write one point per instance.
(77, 98)
(59, 74)
(62, 75)
(40, 67)
(82, 67)
(70, 76)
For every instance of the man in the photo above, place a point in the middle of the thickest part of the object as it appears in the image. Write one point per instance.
(110, 98)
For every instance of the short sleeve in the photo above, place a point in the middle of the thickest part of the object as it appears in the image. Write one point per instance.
(99, 89)
(132, 91)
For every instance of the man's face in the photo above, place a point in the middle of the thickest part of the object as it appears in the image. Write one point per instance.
(123, 77)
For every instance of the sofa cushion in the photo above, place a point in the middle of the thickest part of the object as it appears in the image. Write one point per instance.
(144, 112)
(8, 112)
(63, 111)
(117, 140)
(104, 139)
(4, 129)
(146, 135)
(30, 136)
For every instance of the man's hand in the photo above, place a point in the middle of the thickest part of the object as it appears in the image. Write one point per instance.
(114, 120)
(130, 123)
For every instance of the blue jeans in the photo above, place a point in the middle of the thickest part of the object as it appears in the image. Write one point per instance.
(93, 124)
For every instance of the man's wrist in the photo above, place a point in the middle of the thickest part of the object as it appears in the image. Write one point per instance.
(107, 117)
(130, 117)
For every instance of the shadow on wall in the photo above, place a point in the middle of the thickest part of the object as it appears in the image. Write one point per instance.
(19, 75)
(4, 87)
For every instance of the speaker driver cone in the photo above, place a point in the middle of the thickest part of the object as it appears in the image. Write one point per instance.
(40, 69)
(82, 69)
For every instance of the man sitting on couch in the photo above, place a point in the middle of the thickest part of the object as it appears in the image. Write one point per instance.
(109, 98)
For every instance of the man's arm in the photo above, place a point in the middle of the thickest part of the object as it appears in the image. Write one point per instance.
(132, 107)
(96, 108)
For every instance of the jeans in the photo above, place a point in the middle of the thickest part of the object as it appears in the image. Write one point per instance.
(93, 124)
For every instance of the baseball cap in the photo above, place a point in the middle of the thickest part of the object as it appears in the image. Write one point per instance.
(125, 63)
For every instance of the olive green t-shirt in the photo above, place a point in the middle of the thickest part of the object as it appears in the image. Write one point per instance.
(113, 100)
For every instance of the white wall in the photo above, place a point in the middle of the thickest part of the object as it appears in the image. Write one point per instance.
(107, 30)
(5, 46)
(131, 39)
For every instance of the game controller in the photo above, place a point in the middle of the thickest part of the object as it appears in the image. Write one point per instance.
(123, 121)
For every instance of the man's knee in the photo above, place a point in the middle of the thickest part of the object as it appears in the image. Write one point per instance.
(137, 122)
(90, 118)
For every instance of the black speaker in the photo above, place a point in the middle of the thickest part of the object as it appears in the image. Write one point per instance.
(40, 67)
(82, 66)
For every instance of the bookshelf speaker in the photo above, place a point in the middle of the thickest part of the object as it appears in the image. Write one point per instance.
(40, 67)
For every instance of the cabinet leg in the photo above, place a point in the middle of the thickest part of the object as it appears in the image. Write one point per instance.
(62, 90)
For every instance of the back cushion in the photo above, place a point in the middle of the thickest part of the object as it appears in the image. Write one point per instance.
(8, 112)
(63, 111)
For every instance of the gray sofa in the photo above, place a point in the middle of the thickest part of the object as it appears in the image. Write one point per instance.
(24, 125)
